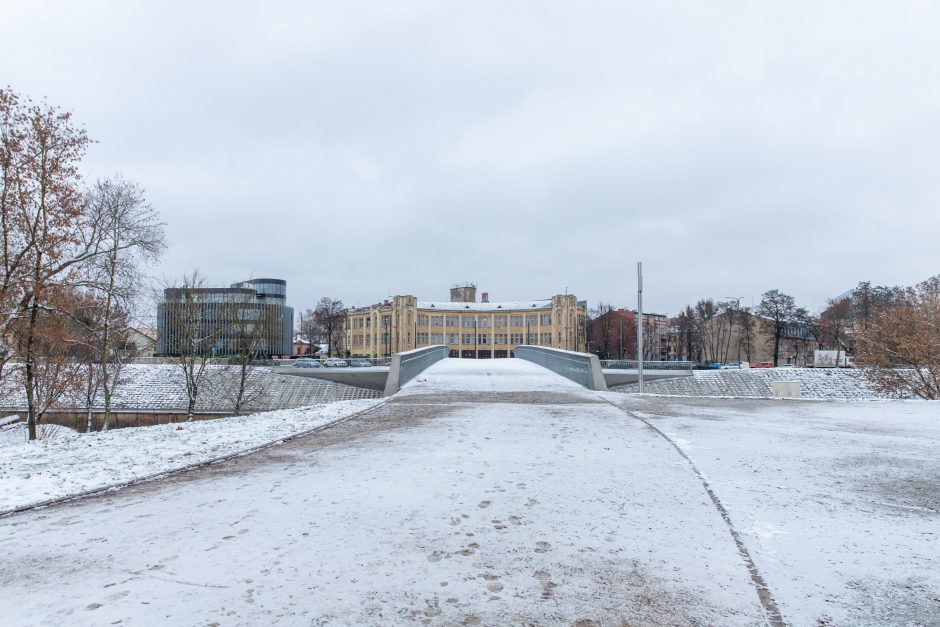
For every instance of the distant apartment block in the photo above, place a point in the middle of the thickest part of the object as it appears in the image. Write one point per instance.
(225, 320)
(612, 335)
(470, 329)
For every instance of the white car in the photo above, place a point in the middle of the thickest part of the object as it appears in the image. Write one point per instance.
(333, 362)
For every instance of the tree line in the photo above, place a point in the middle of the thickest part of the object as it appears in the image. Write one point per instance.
(893, 332)
(72, 257)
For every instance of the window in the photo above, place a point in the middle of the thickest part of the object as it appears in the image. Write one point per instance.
(453, 338)
(436, 321)
(500, 338)
(469, 323)
(532, 338)
(483, 338)
(546, 339)
(516, 338)
(467, 338)
(421, 338)
(546, 319)
(453, 321)
(437, 338)
(499, 322)
(532, 321)
(422, 320)
(518, 321)
(483, 322)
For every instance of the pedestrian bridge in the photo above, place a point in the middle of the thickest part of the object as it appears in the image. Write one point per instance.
(583, 368)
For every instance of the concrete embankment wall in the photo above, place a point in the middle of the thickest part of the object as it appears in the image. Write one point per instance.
(78, 420)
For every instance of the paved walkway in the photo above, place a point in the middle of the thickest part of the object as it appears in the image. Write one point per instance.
(487, 492)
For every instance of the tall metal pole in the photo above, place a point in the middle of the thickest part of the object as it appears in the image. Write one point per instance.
(639, 323)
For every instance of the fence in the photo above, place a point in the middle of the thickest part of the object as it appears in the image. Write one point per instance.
(632, 364)
(582, 368)
(351, 362)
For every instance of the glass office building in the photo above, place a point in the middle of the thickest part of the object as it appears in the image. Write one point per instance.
(248, 316)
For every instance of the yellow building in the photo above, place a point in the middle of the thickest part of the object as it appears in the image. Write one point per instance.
(472, 330)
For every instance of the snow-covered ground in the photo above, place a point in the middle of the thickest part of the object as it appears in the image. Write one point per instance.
(838, 502)
(495, 492)
(67, 463)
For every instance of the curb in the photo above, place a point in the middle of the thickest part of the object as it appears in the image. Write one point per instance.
(168, 473)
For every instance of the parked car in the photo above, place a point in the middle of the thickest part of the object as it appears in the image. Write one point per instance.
(306, 362)
(334, 362)
(360, 362)
(763, 364)
(786, 366)
(714, 366)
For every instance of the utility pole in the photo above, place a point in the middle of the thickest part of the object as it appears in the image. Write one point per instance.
(639, 323)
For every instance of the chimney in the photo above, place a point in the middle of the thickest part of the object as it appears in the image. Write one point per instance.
(485, 297)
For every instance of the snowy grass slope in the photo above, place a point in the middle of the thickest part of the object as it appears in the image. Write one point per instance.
(815, 383)
(162, 387)
(72, 463)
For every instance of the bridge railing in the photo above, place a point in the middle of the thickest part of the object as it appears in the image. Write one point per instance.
(406, 366)
(632, 364)
(583, 368)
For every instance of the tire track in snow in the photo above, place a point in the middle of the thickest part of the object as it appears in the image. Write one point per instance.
(774, 617)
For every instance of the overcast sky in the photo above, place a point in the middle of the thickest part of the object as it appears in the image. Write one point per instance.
(363, 149)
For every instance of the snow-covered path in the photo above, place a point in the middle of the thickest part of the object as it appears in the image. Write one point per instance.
(486, 492)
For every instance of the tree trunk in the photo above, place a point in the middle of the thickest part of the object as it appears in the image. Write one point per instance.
(105, 359)
(776, 346)
(242, 383)
(31, 417)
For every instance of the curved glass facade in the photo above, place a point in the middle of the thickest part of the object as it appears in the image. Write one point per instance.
(248, 316)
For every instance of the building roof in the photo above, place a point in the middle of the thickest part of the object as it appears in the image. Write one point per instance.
(510, 306)
(148, 332)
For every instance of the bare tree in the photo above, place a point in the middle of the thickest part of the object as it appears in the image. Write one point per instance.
(689, 340)
(131, 235)
(746, 324)
(711, 320)
(329, 317)
(253, 327)
(899, 348)
(47, 234)
(778, 310)
(600, 328)
(191, 342)
(834, 321)
(310, 330)
(49, 339)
